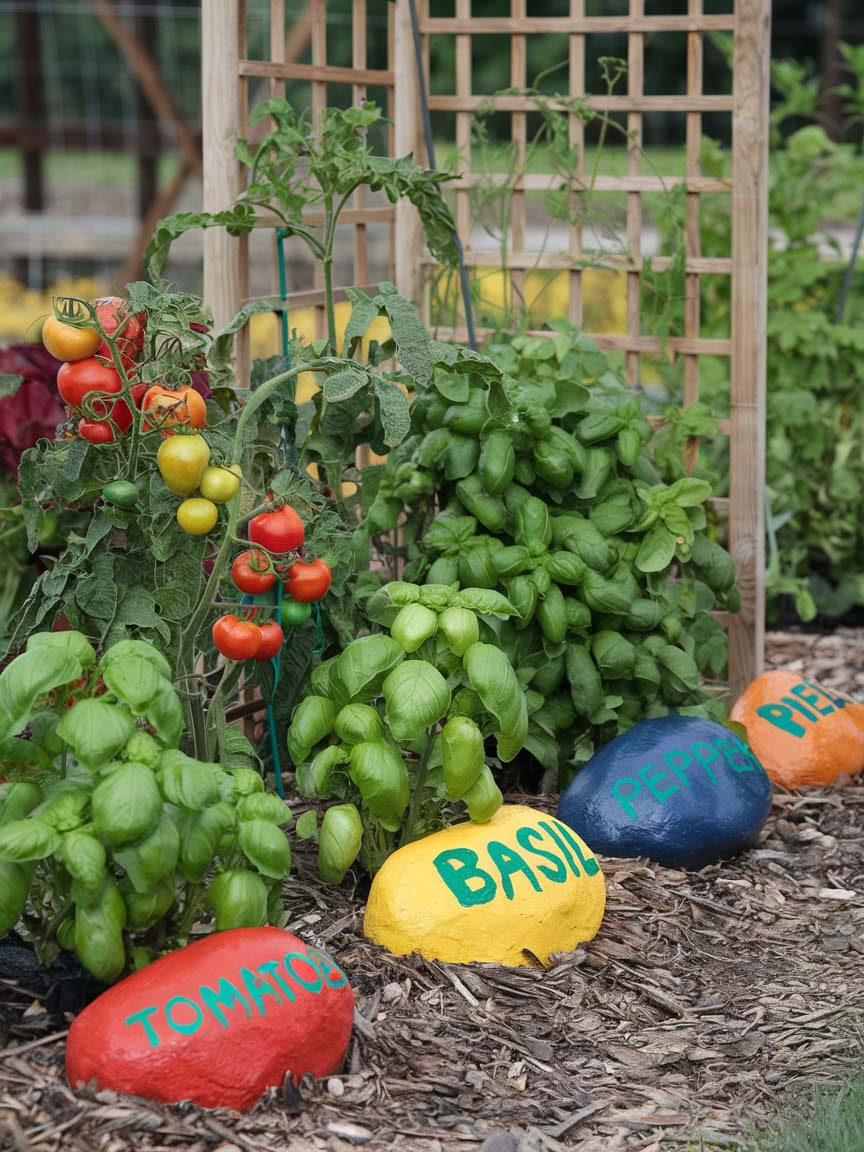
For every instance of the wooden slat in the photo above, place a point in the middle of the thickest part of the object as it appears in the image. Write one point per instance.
(311, 298)
(465, 103)
(371, 214)
(277, 44)
(749, 311)
(576, 137)
(635, 88)
(643, 344)
(319, 75)
(358, 93)
(463, 121)
(548, 182)
(322, 73)
(608, 262)
(515, 290)
(408, 235)
(226, 264)
(570, 25)
(692, 233)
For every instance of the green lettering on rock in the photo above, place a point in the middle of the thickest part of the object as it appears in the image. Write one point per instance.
(561, 842)
(625, 799)
(706, 754)
(142, 1019)
(185, 1029)
(508, 862)
(650, 780)
(678, 760)
(589, 863)
(258, 987)
(811, 698)
(523, 838)
(457, 878)
(317, 982)
(781, 717)
(328, 966)
(226, 996)
(271, 968)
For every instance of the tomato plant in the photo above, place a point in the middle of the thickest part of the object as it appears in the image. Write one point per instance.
(197, 516)
(169, 408)
(280, 531)
(308, 581)
(77, 379)
(272, 639)
(252, 572)
(66, 342)
(236, 639)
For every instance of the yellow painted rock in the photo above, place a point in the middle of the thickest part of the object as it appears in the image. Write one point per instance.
(488, 891)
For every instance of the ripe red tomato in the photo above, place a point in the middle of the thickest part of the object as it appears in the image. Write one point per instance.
(280, 531)
(272, 639)
(111, 312)
(308, 582)
(252, 572)
(77, 378)
(96, 431)
(236, 639)
(138, 392)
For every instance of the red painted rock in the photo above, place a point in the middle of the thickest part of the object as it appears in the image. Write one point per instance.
(216, 1022)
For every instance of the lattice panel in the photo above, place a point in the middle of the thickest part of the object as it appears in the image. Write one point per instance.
(231, 69)
(526, 245)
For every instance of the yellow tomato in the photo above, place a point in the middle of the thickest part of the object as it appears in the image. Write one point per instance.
(66, 342)
(221, 484)
(197, 516)
(182, 460)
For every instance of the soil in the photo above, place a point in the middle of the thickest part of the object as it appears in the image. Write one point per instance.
(708, 1002)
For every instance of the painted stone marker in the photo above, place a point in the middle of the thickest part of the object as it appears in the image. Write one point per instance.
(487, 891)
(802, 734)
(682, 791)
(216, 1022)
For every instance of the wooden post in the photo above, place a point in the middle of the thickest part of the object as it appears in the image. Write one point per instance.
(749, 312)
(408, 239)
(226, 263)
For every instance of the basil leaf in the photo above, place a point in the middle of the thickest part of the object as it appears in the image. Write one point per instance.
(416, 696)
(265, 846)
(493, 679)
(95, 731)
(23, 840)
(133, 680)
(127, 804)
(365, 664)
(29, 676)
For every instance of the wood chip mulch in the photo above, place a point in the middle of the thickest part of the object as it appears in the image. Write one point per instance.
(708, 1002)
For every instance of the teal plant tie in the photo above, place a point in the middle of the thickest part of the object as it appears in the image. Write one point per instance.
(281, 234)
(276, 663)
(319, 631)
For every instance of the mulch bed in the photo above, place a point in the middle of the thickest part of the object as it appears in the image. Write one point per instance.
(708, 1002)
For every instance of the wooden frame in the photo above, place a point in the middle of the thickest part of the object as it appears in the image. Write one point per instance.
(227, 74)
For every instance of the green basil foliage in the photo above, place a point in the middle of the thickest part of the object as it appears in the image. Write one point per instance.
(398, 728)
(535, 476)
(113, 842)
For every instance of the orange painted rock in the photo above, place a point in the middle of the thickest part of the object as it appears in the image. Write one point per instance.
(800, 733)
(216, 1022)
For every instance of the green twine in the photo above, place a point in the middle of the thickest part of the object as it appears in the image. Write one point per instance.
(281, 233)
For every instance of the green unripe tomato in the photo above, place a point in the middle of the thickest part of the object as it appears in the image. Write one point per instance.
(293, 613)
(121, 493)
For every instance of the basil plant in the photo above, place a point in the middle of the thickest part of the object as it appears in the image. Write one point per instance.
(113, 842)
(397, 726)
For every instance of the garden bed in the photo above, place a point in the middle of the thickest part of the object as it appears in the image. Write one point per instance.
(708, 1002)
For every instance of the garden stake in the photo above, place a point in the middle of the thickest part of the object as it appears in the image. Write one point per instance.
(430, 152)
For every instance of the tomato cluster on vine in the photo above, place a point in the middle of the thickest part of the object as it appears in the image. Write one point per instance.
(277, 537)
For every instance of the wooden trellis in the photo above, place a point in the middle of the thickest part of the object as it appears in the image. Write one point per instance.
(229, 72)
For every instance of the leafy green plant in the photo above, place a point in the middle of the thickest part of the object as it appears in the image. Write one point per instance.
(113, 842)
(317, 162)
(396, 726)
(815, 427)
(536, 475)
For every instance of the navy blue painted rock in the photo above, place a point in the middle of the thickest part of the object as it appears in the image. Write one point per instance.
(682, 791)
